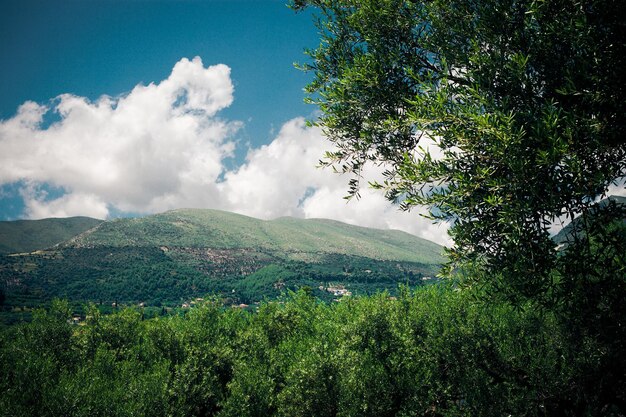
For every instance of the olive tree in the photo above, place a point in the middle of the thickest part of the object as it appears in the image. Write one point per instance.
(501, 116)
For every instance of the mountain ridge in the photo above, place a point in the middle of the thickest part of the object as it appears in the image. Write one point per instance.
(167, 258)
(225, 230)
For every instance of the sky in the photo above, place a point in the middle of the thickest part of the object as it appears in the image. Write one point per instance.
(122, 108)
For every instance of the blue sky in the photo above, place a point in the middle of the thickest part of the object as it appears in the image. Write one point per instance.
(96, 47)
(112, 108)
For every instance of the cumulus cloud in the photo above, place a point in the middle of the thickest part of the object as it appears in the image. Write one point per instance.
(282, 179)
(37, 206)
(163, 146)
(277, 177)
(156, 147)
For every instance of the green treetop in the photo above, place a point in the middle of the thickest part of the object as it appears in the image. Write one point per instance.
(501, 116)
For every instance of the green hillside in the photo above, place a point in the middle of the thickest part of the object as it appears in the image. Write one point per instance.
(289, 236)
(30, 235)
(172, 258)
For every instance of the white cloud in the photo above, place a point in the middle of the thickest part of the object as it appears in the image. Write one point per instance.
(281, 179)
(162, 146)
(68, 205)
(158, 147)
(276, 177)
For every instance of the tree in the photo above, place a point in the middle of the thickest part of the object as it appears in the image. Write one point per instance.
(500, 116)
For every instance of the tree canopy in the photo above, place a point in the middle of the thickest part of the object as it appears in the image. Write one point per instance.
(430, 352)
(501, 116)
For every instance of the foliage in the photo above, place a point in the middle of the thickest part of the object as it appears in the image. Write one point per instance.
(501, 116)
(134, 275)
(434, 351)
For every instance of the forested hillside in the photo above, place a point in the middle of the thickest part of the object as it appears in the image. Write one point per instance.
(290, 237)
(171, 259)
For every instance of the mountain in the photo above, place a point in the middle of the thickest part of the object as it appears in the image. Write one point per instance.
(564, 234)
(31, 235)
(287, 237)
(180, 255)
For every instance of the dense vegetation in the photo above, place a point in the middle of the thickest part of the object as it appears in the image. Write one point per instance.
(169, 259)
(521, 121)
(434, 351)
(502, 118)
(147, 275)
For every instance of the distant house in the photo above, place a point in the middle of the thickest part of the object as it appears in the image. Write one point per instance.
(339, 290)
